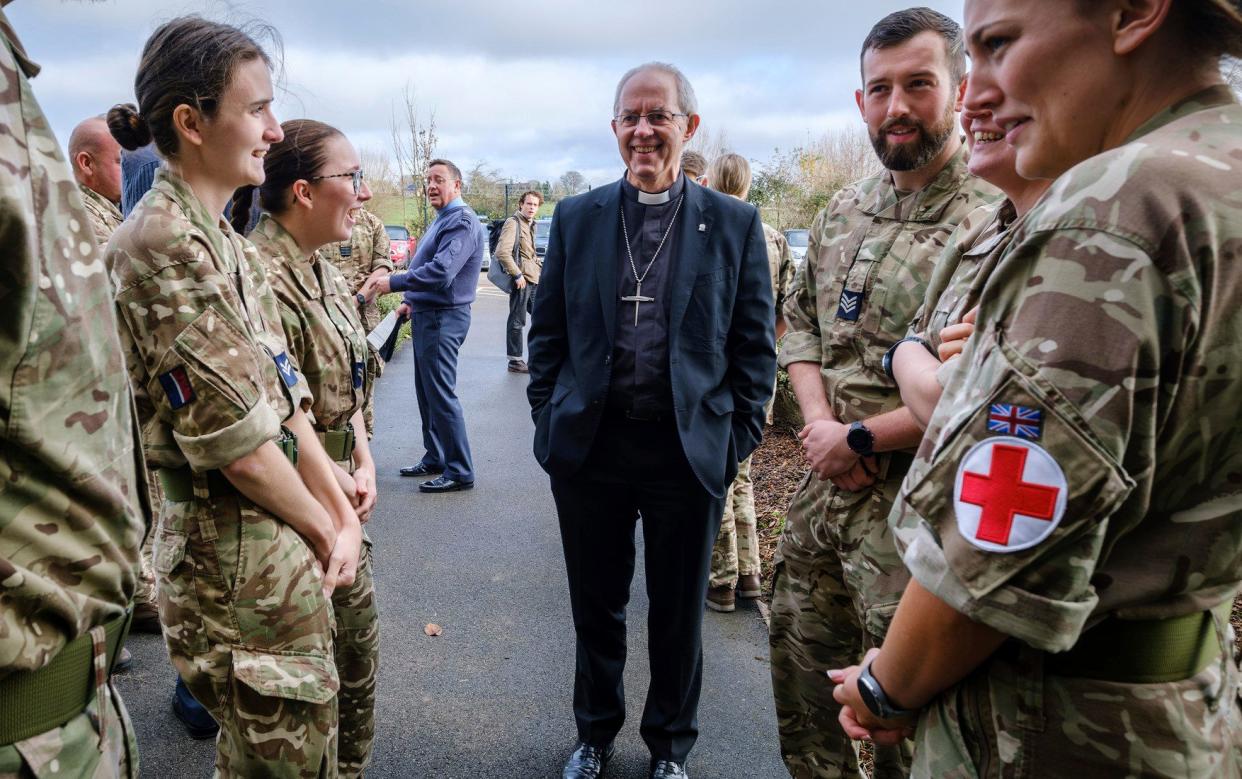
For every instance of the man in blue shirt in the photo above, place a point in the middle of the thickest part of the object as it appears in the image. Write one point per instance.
(439, 288)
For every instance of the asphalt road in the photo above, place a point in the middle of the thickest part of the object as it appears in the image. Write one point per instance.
(491, 697)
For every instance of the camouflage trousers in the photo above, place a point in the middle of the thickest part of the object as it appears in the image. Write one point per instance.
(375, 369)
(1011, 719)
(737, 545)
(837, 582)
(98, 743)
(249, 630)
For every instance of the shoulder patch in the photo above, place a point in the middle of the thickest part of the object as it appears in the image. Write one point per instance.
(360, 372)
(346, 250)
(286, 369)
(850, 305)
(176, 384)
(1009, 494)
(1018, 421)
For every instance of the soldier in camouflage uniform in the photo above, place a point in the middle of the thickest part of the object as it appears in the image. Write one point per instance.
(326, 340)
(1071, 523)
(246, 552)
(838, 575)
(735, 556)
(72, 500)
(363, 257)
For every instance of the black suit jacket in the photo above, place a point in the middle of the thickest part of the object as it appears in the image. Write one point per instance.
(722, 353)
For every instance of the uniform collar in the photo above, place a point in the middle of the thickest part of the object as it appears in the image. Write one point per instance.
(1214, 96)
(99, 200)
(280, 249)
(28, 66)
(924, 205)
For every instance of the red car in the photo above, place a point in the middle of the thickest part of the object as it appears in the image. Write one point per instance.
(400, 244)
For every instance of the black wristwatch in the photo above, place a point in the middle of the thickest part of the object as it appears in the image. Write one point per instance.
(860, 440)
(877, 702)
(886, 362)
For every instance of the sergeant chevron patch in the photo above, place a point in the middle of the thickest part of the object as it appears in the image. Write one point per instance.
(850, 305)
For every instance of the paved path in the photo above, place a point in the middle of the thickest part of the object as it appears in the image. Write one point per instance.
(491, 696)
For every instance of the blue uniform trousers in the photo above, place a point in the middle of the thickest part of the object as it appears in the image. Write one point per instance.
(437, 337)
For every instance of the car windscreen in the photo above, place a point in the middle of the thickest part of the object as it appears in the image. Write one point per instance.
(797, 238)
(542, 229)
(397, 233)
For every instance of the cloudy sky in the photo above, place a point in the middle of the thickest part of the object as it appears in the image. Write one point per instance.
(524, 87)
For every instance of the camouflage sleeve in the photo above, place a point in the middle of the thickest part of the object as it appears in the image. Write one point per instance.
(380, 247)
(201, 374)
(1031, 441)
(802, 339)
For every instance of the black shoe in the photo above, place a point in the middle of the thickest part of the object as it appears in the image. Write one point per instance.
(420, 470)
(518, 366)
(146, 619)
(445, 484)
(587, 762)
(668, 769)
(198, 722)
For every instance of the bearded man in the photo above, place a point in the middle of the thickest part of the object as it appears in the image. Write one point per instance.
(872, 250)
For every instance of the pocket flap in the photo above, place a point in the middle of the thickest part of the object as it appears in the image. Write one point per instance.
(307, 678)
(169, 552)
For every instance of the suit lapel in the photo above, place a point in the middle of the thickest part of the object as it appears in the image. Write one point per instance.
(692, 247)
(604, 251)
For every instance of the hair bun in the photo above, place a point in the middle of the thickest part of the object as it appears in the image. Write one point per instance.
(128, 127)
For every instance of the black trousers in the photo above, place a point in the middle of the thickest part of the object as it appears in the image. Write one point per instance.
(520, 301)
(638, 469)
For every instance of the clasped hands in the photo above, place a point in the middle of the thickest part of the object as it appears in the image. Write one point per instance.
(856, 719)
(825, 450)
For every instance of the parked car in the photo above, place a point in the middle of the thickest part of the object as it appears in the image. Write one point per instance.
(543, 229)
(798, 239)
(400, 244)
(487, 250)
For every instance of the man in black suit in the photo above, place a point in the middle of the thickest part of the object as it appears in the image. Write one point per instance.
(651, 357)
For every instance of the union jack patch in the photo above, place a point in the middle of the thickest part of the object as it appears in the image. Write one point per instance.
(176, 384)
(849, 306)
(1018, 421)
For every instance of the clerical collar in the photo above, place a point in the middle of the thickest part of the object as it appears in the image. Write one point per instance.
(636, 195)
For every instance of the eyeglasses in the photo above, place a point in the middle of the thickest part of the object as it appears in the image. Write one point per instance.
(355, 175)
(655, 118)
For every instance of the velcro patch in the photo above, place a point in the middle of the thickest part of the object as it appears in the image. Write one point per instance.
(360, 372)
(176, 384)
(1009, 494)
(286, 369)
(1019, 421)
(850, 305)
(347, 251)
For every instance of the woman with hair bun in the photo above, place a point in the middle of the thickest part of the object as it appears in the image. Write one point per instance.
(247, 553)
(1074, 536)
(311, 195)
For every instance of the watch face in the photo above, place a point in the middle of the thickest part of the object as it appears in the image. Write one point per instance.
(868, 695)
(858, 439)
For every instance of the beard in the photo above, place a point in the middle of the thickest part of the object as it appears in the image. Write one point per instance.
(919, 152)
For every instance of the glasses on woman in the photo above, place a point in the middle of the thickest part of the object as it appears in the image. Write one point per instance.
(655, 118)
(355, 175)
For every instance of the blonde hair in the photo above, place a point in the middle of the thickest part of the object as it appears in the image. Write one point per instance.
(729, 174)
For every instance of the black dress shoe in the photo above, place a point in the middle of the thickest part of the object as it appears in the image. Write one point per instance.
(668, 769)
(420, 470)
(445, 484)
(587, 762)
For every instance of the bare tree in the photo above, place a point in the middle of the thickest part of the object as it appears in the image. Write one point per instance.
(378, 167)
(414, 145)
(791, 187)
(571, 183)
(1231, 69)
(710, 143)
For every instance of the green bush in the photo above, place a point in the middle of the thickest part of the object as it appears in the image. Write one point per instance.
(388, 303)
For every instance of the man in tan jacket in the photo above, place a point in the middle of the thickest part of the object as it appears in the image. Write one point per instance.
(515, 249)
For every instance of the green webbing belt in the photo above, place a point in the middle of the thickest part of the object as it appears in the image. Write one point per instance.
(178, 483)
(339, 444)
(34, 702)
(1146, 651)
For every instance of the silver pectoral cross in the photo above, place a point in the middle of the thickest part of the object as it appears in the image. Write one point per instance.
(637, 299)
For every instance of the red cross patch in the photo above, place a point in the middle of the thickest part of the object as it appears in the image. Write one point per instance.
(1010, 494)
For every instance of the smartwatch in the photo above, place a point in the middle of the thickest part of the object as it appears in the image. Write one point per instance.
(877, 702)
(860, 440)
(886, 362)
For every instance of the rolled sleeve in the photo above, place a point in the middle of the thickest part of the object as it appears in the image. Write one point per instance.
(229, 444)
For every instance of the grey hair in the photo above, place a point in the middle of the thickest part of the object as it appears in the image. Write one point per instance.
(686, 100)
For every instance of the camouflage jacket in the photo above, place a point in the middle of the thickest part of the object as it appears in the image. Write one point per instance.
(321, 324)
(72, 488)
(105, 216)
(963, 269)
(205, 349)
(1087, 461)
(868, 259)
(360, 256)
(780, 264)
(532, 263)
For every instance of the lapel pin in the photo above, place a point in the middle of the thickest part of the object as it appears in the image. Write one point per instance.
(702, 227)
